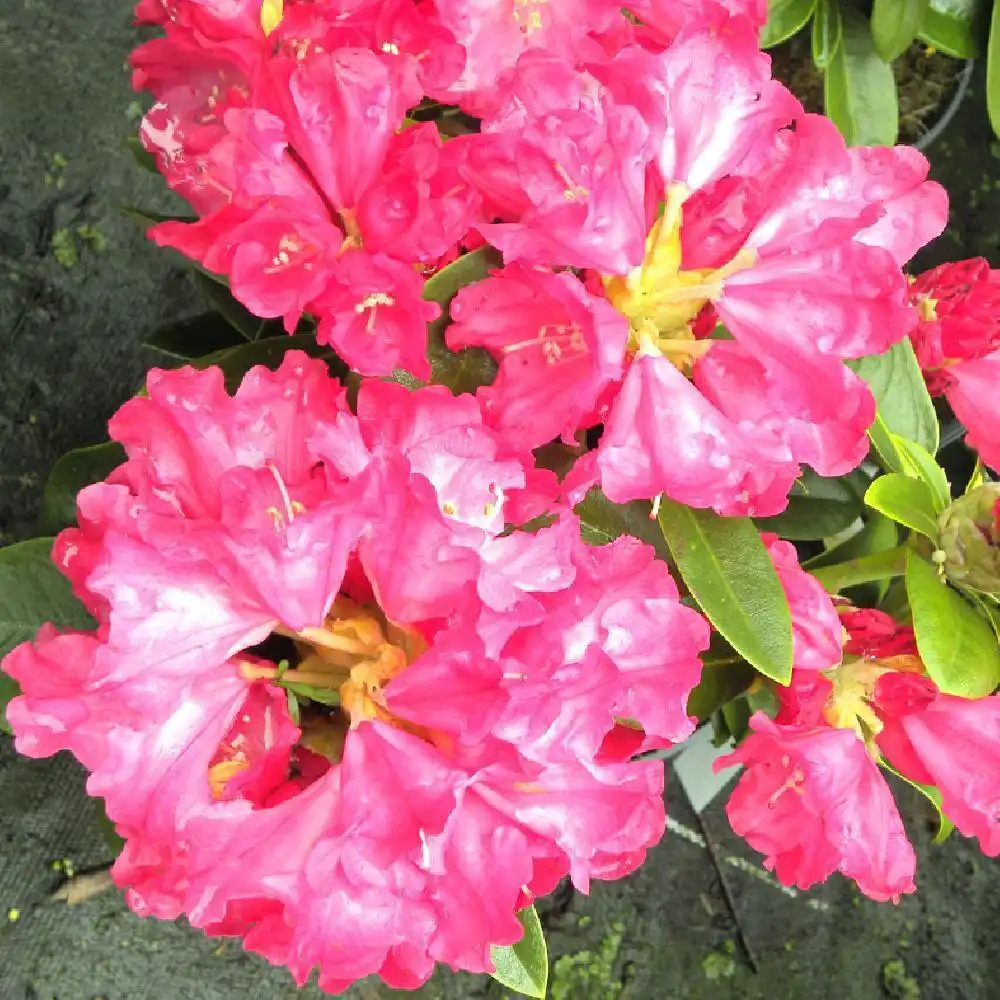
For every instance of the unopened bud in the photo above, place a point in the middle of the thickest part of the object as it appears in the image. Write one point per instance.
(970, 539)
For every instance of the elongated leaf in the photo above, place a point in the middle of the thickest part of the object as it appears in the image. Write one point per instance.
(602, 521)
(895, 24)
(916, 462)
(859, 89)
(904, 404)
(195, 337)
(73, 471)
(827, 32)
(953, 26)
(933, 795)
(993, 70)
(32, 592)
(468, 268)
(879, 534)
(784, 19)
(817, 508)
(141, 155)
(235, 362)
(908, 501)
(250, 327)
(731, 576)
(524, 967)
(958, 647)
(978, 476)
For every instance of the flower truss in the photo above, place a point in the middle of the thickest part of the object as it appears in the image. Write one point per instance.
(377, 627)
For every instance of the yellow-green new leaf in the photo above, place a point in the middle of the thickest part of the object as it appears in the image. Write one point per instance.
(957, 646)
(730, 574)
(524, 966)
(784, 19)
(907, 501)
(895, 24)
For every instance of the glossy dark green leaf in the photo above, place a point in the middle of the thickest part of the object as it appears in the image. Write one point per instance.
(466, 370)
(907, 501)
(859, 89)
(524, 966)
(720, 683)
(32, 592)
(195, 337)
(895, 24)
(730, 574)
(147, 218)
(954, 26)
(73, 471)
(879, 534)
(904, 404)
(958, 647)
(235, 362)
(784, 19)
(250, 327)
(602, 521)
(993, 70)
(817, 508)
(827, 32)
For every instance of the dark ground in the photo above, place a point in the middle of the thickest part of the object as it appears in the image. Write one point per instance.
(69, 339)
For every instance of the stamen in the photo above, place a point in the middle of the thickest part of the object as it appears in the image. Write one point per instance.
(290, 510)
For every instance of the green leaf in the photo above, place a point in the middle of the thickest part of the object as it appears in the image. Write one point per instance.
(73, 471)
(817, 507)
(879, 534)
(720, 683)
(141, 155)
(993, 70)
(958, 647)
(916, 462)
(524, 966)
(730, 574)
(859, 89)
(827, 32)
(195, 337)
(602, 521)
(908, 501)
(146, 218)
(469, 268)
(32, 592)
(466, 370)
(977, 478)
(324, 696)
(784, 19)
(895, 24)
(235, 362)
(933, 795)
(250, 327)
(953, 26)
(904, 404)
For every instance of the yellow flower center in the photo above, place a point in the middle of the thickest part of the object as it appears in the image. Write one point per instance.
(660, 299)
(849, 704)
(270, 15)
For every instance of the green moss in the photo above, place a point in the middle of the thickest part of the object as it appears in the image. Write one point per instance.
(589, 975)
(64, 248)
(720, 964)
(898, 985)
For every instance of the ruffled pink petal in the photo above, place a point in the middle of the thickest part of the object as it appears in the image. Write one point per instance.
(705, 461)
(813, 801)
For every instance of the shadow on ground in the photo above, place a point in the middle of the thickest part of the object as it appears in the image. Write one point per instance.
(70, 327)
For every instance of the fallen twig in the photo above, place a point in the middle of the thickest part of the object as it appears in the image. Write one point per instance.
(84, 886)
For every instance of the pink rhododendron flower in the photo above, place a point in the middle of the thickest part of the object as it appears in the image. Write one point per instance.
(559, 350)
(950, 742)
(814, 802)
(957, 341)
(331, 708)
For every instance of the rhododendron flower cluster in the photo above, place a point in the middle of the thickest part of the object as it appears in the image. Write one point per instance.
(378, 656)
(813, 798)
(637, 221)
(458, 687)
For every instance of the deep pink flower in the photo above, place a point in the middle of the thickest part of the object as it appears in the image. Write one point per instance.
(559, 349)
(817, 632)
(420, 798)
(950, 742)
(957, 341)
(813, 801)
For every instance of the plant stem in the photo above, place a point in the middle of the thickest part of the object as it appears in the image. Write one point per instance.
(864, 569)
